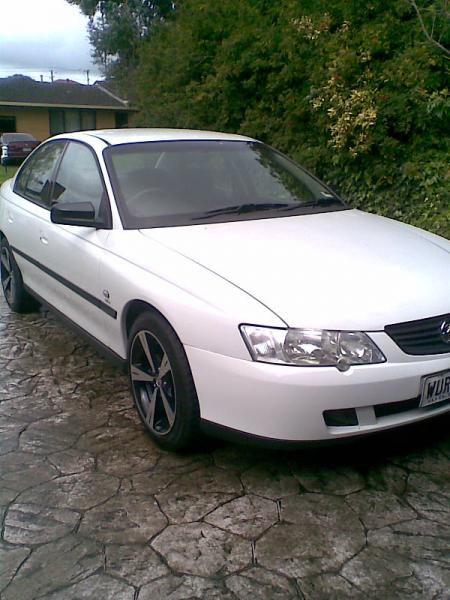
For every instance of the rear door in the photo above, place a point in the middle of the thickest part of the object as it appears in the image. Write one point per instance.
(27, 214)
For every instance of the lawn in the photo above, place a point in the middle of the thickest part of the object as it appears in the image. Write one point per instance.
(6, 173)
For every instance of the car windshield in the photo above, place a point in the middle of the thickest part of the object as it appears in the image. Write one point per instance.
(17, 137)
(159, 184)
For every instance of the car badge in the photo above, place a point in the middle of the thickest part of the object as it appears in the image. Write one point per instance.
(445, 331)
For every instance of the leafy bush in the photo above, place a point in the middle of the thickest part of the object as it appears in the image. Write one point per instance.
(354, 91)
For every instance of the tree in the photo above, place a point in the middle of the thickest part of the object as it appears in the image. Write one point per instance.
(434, 21)
(118, 27)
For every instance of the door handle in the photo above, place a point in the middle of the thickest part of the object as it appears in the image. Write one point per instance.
(43, 239)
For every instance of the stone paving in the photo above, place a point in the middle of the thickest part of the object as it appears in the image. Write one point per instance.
(91, 509)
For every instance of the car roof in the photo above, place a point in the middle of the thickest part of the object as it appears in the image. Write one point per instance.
(127, 136)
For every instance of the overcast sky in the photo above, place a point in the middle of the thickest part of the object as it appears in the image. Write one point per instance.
(39, 35)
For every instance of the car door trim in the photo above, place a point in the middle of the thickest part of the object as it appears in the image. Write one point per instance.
(71, 286)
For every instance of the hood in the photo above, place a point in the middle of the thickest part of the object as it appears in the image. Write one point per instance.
(337, 270)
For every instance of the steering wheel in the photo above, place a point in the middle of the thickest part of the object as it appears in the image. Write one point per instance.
(155, 200)
(148, 193)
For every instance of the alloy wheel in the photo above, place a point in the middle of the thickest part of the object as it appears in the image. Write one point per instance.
(153, 383)
(7, 273)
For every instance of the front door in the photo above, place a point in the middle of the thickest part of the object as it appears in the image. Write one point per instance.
(74, 253)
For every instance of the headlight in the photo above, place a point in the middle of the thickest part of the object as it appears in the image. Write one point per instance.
(311, 347)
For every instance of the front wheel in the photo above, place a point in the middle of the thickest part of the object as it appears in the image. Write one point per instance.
(18, 299)
(161, 383)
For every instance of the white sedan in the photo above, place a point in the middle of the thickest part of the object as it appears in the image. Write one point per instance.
(243, 294)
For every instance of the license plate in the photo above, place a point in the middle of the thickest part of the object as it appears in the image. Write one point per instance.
(435, 388)
(26, 149)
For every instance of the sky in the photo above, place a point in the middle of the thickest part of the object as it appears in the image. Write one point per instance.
(37, 36)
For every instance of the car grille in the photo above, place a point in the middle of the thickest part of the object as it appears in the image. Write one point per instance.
(420, 337)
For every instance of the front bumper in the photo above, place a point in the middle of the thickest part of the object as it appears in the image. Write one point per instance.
(293, 403)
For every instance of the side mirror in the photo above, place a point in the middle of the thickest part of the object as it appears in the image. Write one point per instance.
(74, 213)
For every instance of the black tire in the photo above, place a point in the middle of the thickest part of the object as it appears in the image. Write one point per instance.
(162, 385)
(18, 299)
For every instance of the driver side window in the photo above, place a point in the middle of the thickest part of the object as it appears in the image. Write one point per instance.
(78, 179)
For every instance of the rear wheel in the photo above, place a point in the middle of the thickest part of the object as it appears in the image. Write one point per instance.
(18, 299)
(161, 383)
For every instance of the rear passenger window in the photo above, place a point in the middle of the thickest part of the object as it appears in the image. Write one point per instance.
(34, 179)
(78, 178)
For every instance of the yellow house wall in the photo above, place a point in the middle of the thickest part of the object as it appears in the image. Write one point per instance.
(105, 119)
(29, 120)
(36, 120)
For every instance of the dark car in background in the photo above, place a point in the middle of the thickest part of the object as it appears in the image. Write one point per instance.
(15, 147)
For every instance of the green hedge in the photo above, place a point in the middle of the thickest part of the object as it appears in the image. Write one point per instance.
(352, 90)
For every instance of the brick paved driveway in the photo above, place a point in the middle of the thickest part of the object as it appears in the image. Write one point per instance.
(90, 509)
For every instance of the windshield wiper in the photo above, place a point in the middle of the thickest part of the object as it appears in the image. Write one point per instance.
(239, 209)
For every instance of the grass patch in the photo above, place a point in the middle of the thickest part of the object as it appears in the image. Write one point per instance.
(6, 173)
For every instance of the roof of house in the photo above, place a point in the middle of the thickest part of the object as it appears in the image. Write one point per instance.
(20, 90)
